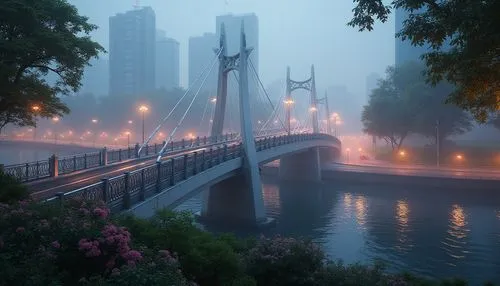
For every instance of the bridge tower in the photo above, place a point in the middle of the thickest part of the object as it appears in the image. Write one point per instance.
(310, 85)
(238, 198)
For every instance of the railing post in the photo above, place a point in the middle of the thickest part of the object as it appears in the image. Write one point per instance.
(128, 152)
(203, 160)
(156, 151)
(74, 163)
(27, 171)
(105, 186)
(198, 141)
(104, 156)
(195, 165)
(185, 166)
(60, 199)
(172, 172)
(158, 177)
(119, 155)
(126, 193)
(204, 140)
(137, 155)
(210, 156)
(54, 166)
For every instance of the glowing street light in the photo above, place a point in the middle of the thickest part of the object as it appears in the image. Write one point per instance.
(289, 101)
(402, 153)
(94, 121)
(55, 120)
(143, 109)
(130, 122)
(313, 109)
(36, 109)
(128, 138)
(459, 157)
(213, 100)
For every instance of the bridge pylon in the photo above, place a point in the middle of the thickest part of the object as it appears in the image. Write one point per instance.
(238, 198)
(309, 85)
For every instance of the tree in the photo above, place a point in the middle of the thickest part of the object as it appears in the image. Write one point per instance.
(385, 116)
(470, 27)
(403, 104)
(38, 39)
(451, 119)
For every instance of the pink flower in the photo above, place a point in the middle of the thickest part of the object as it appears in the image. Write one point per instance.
(20, 229)
(56, 244)
(133, 255)
(101, 212)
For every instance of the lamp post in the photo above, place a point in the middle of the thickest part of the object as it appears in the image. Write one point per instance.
(55, 120)
(143, 109)
(94, 121)
(35, 109)
(128, 138)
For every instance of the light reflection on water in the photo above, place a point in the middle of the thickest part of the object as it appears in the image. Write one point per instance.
(435, 233)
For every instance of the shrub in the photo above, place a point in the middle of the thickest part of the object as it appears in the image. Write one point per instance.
(11, 190)
(284, 261)
(204, 258)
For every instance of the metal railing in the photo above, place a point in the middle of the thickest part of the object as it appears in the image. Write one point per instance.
(123, 191)
(33, 171)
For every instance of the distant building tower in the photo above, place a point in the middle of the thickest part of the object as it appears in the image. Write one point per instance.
(201, 52)
(405, 52)
(132, 45)
(167, 62)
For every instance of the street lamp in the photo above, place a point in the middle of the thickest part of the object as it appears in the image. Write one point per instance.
(95, 121)
(55, 120)
(35, 109)
(143, 109)
(128, 138)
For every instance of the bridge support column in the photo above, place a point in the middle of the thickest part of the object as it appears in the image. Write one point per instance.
(232, 202)
(304, 166)
(236, 198)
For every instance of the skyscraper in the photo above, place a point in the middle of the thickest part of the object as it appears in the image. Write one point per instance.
(132, 45)
(405, 52)
(167, 62)
(232, 25)
(201, 52)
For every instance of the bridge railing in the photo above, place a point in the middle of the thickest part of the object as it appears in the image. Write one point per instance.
(55, 166)
(123, 191)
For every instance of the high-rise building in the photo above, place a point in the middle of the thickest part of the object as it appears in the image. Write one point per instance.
(167, 62)
(132, 45)
(232, 25)
(405, 51)
(201, 52)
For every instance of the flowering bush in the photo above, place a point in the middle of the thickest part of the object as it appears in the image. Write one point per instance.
(68, 244)
(284, 261)
(11, 190)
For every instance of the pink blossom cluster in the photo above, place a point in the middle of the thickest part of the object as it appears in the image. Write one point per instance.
(101, 212)
(279, 247)
(118, 237)
(90, 247)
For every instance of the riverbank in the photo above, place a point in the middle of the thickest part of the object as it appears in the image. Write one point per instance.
(80, 244)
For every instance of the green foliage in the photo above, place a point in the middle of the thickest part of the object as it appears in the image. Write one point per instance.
(39, 38)
(11, 190)
(403, 104)
(206, 259)
(469, 27)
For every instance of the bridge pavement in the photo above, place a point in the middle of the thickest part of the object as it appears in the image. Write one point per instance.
(49, 187)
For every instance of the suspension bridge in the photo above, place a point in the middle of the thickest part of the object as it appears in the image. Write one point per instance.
(224, 164)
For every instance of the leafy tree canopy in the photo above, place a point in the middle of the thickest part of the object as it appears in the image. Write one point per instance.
(470, 27)
(37, 38)
(403, 104)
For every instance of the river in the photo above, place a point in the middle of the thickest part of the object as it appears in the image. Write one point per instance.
(435, 233)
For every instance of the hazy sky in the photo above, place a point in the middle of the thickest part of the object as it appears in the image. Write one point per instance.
(292, 32)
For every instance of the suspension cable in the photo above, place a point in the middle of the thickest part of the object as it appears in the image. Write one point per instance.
(185, 113)
(179, 101)
(262, 86)
(204, 113)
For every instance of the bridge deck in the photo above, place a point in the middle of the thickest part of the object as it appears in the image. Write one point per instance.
(49, 187)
